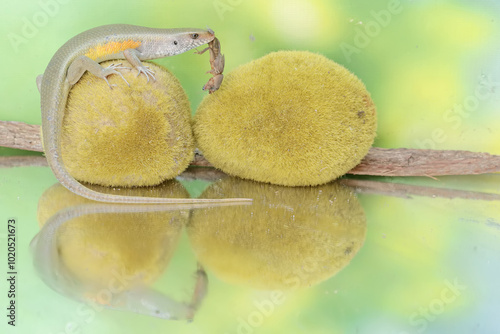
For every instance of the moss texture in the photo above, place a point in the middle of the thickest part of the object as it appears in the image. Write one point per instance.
(127, 136)
(289, 238)
(95, 246)
(291, 118)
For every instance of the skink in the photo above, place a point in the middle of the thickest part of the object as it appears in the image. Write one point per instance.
(83, 53)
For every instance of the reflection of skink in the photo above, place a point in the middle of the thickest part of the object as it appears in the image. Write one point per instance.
(126, 286)
(83, 53)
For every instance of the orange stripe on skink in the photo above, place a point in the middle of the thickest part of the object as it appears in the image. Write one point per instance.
(102, 50)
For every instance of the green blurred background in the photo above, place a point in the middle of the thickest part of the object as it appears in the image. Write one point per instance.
(423, 64)
(433, 69)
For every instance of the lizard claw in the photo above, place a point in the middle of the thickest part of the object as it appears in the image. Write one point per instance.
(147, 72)
(118, 66)
(111, 69)
(116, 72)
(110, 85)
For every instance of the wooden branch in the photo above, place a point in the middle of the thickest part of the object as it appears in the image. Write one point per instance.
(378, 161)
(199, 160)
(20, 135)
(414, 162)
(360, 186)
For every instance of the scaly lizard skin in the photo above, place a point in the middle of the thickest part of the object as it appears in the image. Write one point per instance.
(83, 53)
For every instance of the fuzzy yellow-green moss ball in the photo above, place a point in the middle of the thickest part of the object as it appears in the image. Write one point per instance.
(127, 136)
(96, 246)
(291, 118)
(289, 238)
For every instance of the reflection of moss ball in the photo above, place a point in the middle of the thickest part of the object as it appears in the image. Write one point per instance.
(127, 136)
(94, 247)
(291, 118)
(288, 238)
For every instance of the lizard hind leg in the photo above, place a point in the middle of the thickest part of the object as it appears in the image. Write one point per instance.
(84, 63)
(112, 69)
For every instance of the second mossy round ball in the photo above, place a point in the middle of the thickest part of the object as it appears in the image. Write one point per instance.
(127, 136)
(291, 118)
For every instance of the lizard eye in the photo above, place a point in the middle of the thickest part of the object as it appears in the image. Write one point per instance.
(175, 42)
(195, 36)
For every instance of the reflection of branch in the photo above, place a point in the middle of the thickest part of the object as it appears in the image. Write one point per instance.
(406, 190)
(378, 161)
(22, 161)
(365, 186)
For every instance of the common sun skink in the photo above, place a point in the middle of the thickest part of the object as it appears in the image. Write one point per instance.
(83, 53)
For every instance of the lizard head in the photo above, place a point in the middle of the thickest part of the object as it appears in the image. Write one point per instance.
(191, 38)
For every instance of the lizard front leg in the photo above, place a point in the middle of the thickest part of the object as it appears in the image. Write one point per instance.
(84, 63)
(132, 55)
